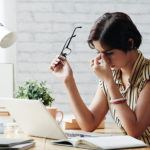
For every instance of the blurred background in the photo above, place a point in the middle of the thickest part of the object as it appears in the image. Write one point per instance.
(43, 26)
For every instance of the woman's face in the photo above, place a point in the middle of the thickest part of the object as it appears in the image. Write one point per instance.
(117, 58)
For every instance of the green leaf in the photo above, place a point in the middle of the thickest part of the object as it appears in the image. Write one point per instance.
(32, 89)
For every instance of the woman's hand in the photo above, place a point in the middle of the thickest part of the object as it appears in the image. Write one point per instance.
(100, 66)
(61, 68)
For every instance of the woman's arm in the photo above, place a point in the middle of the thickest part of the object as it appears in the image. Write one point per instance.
(134, 122)
(87, 118)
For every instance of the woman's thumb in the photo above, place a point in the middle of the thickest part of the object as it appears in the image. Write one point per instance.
(105, 58)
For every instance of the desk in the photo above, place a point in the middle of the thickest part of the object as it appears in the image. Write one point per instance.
(45, 144)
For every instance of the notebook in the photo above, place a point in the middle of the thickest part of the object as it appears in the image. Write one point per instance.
(34, 119)
(16, 144)
(102, 143)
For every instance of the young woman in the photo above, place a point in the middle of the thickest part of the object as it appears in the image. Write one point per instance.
(124, 76)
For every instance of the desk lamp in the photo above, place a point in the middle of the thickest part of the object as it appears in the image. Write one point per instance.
(7, 38)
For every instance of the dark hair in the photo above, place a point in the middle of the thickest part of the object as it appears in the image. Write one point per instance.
(114, 30)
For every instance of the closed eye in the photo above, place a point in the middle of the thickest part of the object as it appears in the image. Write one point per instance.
(108, 52)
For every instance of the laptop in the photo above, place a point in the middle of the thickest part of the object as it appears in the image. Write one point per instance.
(34, 119)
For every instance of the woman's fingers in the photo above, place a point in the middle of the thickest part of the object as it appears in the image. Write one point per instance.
(100, 60)
(97, 60)
(56, 63)
(62, 57)
(105, 59)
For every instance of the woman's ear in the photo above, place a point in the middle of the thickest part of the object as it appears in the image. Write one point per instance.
(130, 44)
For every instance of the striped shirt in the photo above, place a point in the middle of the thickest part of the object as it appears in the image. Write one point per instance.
(139, 77)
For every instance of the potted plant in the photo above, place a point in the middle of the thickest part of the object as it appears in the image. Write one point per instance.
(32, 89)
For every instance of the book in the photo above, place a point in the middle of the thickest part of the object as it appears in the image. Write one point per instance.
(105, 143)
(72, 124)
(4, 112)
(15, 144)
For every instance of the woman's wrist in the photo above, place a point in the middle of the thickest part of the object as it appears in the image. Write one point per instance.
(110, 83)
(118, 100)
(68, 79)
(113, 90)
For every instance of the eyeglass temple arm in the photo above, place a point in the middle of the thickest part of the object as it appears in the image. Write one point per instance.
(65, 45)
(72, 36)
(69, 40)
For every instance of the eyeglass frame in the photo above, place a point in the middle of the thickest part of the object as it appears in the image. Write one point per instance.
(66, 45)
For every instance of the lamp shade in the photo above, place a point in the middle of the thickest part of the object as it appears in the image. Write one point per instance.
(7, 38)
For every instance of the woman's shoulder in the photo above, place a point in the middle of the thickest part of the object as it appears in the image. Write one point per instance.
(147, 63)
(146, 69)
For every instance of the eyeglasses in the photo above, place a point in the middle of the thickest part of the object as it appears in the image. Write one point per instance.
(66, 50)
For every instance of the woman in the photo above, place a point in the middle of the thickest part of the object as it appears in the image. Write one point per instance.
(124, 76)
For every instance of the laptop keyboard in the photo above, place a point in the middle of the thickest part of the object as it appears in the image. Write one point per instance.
(71, 134)
(76, 135)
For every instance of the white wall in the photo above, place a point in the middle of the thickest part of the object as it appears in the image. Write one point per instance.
(43, 27)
